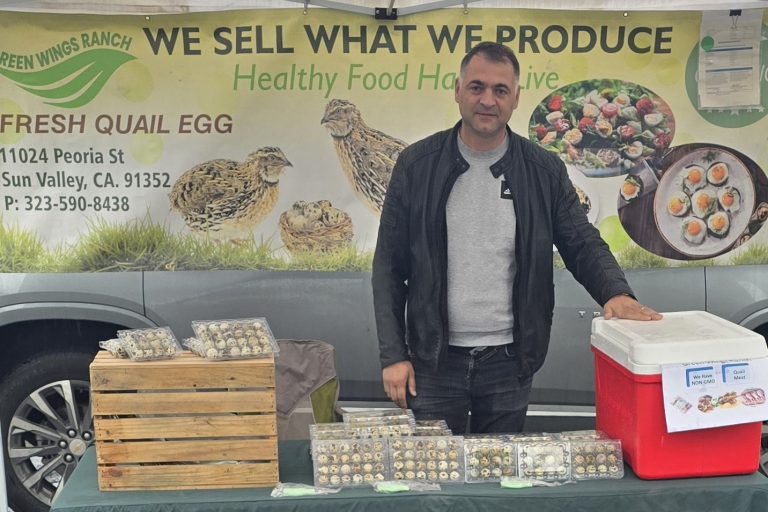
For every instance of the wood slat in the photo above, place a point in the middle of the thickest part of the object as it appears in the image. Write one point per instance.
(185, 427)
(187, 476)
(185, 357)
(182, 403)
(203, 450)
(185, 372)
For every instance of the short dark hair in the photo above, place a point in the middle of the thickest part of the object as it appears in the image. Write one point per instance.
(495, 52)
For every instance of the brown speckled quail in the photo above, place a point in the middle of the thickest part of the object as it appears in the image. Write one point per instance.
(225, 199)
(366, 155)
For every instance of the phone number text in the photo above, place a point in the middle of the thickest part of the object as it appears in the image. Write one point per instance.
(66, 203)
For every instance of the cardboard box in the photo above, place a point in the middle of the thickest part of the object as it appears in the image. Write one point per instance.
(184, 423)
(629, 401)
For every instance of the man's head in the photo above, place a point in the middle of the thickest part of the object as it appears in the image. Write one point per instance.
(495, 52)
(487, 92)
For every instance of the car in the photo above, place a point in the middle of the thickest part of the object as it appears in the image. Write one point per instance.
(50, 326)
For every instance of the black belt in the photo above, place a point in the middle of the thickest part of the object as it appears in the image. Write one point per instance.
(477, 351)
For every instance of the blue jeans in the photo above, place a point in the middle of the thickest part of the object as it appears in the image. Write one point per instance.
(483, 382)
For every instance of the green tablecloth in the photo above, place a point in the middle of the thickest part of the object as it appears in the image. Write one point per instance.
(727, 494)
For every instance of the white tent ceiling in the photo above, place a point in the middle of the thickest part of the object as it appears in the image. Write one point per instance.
(361, 6)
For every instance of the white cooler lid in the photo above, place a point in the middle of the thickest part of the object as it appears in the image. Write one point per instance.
(679, 337)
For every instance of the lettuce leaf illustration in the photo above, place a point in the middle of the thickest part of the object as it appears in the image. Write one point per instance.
(74, 82)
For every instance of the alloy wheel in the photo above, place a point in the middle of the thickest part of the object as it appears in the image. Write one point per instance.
(47, 436)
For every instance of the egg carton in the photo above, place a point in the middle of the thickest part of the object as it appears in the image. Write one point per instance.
(149, 344)
(544, 460)
(597, 459)
(582, 435)
(433, 427)
(438, 459)
(349, 462)
(427, 431)
(371, 412)
(236, 339)
(210, 352)
(529, 437)
(488, 459)
(328, 431)
(362, 431)
(114, 347)
(380, 417)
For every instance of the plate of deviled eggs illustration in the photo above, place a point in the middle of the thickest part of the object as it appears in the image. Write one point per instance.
(704, 201)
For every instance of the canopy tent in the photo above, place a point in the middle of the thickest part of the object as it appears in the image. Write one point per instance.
(404, 7)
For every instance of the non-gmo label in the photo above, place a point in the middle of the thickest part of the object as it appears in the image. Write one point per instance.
(714, 393)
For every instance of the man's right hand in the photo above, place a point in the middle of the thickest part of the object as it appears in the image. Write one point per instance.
(397, 378)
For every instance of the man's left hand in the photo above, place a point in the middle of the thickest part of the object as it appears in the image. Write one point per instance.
(624, 306)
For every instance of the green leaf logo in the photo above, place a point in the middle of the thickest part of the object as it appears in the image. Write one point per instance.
(73, 82)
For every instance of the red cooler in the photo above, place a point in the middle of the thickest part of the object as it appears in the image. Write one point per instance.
(629, 403)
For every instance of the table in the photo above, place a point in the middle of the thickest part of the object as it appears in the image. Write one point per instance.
(747, 493)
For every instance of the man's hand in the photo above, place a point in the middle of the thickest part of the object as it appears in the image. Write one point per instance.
(624, 306)
(397, 378)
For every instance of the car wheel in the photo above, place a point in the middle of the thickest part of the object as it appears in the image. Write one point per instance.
(47, 425)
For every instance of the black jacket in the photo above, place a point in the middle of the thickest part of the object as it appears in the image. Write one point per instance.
(410, 262)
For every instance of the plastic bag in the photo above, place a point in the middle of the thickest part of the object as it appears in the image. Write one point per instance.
(149, 344)
(394, 486)
(292, 490)
(514, 482)
(115, 347)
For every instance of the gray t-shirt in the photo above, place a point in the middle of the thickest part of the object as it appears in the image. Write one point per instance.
(481, 219)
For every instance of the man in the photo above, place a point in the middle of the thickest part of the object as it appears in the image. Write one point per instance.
(462, 273)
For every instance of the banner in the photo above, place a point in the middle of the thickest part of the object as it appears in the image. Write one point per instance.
(271, 132)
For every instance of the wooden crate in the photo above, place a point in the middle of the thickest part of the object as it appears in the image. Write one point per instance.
(184, 423)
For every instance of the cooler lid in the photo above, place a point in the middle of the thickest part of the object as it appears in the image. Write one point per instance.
(679, 337)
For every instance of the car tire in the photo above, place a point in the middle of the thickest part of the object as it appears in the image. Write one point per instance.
(46, 426)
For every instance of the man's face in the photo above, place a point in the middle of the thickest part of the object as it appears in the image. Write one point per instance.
(487, 95)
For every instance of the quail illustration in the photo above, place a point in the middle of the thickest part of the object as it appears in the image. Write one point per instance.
(366, 155)
(225, 199)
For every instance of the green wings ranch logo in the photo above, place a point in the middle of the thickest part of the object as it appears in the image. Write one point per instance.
(73, 82)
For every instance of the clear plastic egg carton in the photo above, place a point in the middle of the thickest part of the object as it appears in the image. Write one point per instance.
(582, 435)
(329, 431)
(489, 458)
(194, 345)
(532, 437)
(349, 462)
(432, 430)
(149, 344)
(596, 459)
(544, 460)
(363, 431)
(432, 427)
(368, 412)
(380, 417)
(114, 347)
(236, 339)
(438, 459)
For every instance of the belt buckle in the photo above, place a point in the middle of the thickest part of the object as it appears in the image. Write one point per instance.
(477, 351)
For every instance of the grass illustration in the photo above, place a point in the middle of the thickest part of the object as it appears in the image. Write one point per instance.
(22, 251)
(347, 259)
(135, 245)
(142, 244)
(634, 256)
(698, 263)
(754, 254)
